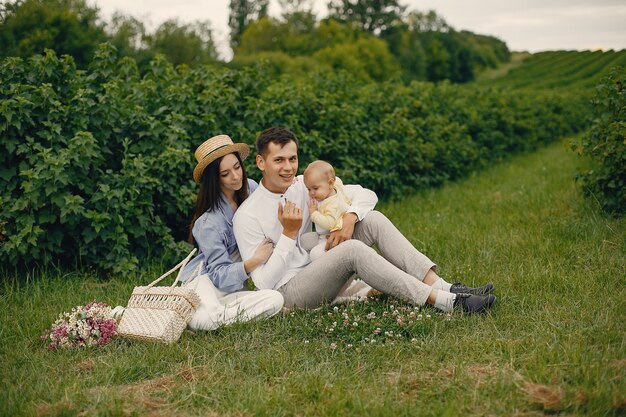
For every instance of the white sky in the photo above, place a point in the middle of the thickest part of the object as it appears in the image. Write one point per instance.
(528, 25)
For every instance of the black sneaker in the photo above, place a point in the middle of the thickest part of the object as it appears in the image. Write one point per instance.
(474, 303)
(458, 288)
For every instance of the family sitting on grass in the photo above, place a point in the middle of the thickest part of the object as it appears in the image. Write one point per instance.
(264, 232)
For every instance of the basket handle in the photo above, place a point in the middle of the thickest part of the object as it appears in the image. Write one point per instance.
(180, 265)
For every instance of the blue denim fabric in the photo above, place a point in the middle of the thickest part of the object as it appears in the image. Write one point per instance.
(213, 232)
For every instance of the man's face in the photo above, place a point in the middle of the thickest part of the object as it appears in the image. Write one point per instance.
(279, 166)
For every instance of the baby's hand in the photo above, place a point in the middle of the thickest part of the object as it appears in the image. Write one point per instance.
(312, 205)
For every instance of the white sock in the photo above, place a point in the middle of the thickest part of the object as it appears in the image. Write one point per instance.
(445, 301)
(441, 284)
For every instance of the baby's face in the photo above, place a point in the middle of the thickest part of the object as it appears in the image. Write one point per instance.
(320, 187)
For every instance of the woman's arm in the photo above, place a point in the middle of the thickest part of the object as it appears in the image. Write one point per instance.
(212, 240)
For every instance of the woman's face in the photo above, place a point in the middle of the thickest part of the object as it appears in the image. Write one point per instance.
(231, 173)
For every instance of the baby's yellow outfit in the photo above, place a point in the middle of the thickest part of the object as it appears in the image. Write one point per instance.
(330, 212)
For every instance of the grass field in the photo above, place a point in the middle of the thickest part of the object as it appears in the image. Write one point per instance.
(554, 344)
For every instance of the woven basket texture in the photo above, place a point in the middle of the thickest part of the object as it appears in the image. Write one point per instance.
(158, 313)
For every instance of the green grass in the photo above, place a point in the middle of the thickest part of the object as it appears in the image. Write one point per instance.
(555, 343)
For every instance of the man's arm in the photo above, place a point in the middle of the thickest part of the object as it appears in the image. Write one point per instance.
(249, 235)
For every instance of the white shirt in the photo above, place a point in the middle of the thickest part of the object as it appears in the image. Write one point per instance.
(257, 219)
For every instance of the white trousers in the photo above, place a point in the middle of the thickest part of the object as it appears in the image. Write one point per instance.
(218, 308)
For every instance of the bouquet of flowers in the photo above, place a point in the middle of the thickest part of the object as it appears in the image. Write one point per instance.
(90, 325)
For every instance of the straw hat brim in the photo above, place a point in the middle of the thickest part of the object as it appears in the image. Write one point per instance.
(241, 148)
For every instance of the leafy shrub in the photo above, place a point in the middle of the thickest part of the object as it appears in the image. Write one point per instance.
(96, 165)
(605, 144)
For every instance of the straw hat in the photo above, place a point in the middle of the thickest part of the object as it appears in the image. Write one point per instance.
(214, 148)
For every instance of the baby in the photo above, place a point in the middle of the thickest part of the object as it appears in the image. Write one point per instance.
(327, 190)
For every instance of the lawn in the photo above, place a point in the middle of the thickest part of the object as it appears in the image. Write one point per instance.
(555, 342)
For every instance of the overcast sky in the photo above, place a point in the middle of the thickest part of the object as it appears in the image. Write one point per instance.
(528, 25)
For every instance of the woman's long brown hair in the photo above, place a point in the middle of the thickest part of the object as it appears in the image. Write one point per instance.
(210, 193)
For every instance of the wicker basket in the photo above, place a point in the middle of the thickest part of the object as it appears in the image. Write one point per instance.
(159, 313)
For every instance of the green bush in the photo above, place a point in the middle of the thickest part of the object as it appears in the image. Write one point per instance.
(96, 164)
(605, 144)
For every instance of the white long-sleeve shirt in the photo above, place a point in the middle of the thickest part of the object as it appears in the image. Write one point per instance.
(257, 219)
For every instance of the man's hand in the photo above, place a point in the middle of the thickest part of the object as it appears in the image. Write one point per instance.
(290, 217)
(312, 205)
(338, 236)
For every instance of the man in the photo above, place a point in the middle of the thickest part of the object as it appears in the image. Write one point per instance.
(278, 210)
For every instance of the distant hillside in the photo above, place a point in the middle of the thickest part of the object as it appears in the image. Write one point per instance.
(555, 69)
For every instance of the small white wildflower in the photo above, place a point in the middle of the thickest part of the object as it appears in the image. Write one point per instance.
(355, 324)
(333, 346)
(306, 342)
(335, 309)
(428, 316)
(349, 345)
(414, 340)
(419, 316)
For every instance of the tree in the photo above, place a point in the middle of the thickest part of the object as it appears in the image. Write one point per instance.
(242, 12)
(427, 22)
(367, 58)
(27, 27)
(129, 36)
(407, 47)
(374, 16)
(184, 44)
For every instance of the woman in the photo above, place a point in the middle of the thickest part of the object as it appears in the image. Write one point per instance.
(223, 187)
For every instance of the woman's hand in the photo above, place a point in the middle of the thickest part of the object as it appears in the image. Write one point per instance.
(264, 251)
(261, 255)
(312, 205)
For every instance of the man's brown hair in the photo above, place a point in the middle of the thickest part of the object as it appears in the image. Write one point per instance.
(277, 135)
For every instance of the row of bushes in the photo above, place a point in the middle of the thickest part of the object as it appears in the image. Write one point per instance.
(96, 165)
(605, 144)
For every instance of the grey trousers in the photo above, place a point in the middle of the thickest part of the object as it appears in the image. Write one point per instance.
(398, 271)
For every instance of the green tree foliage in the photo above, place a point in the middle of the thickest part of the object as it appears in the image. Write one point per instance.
(605, 144)
(128, 35)
(96, 164)
(330, 45)
(184, 43)
(71, 27)
(242, 13)
(422, 48)
(373, 16)
(367, 58)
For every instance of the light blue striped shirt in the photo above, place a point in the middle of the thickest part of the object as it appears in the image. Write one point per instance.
(213, 232)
